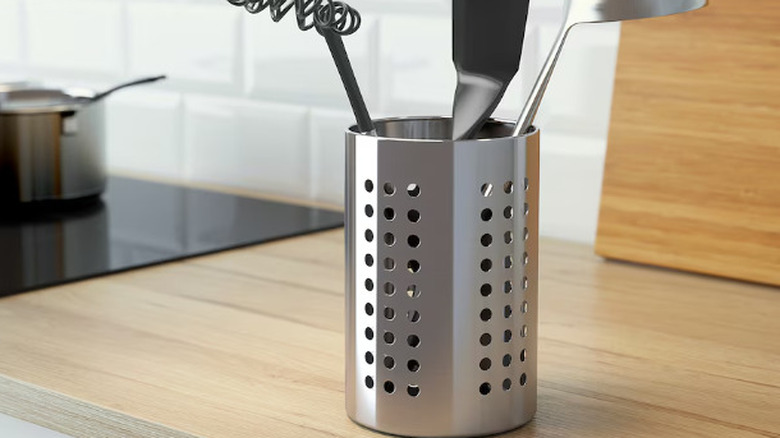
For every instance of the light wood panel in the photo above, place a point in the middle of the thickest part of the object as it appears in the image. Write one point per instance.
(692, 177)
(250, 343)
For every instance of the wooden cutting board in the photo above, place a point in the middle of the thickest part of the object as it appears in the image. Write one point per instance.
(692, 176)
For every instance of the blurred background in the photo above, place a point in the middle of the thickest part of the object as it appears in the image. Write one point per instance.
(258, 105)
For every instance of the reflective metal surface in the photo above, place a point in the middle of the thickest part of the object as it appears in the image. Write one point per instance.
(441, 279)
(595, 11)
(52, 155)
(137, 224)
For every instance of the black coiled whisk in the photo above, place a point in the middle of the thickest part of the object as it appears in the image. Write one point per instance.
(332, 19)
(337, 16)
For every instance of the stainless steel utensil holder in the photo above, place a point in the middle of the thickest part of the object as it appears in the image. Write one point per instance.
(441, 308)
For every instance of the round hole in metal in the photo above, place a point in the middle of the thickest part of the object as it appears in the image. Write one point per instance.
(526, 234)
(389, 213)
(389, 289)
(524, 331)
(389, 264)
(485, 364)
(509, 237)
(486, 265)
(389, 338)
(413, 390)
(507, 360)
(389, 362)
(509, 212)
(485, 315)
(486, 290)
(413, 266)
(508, 287)
(369, 236)
(523, 354)
(486, 215)
(369, 211)
(369, 382)
(523, 379)
(413, 341)
(389, 387)
(369, 357)
(413, 365)
(389, 239)
(413, 216)
(526, 259)
(507, 335)
(507, 385)
(526, 184)
(389, 313)
(509, 187)
(412, 291)
(413, 190)
(369, 333)
(486, 189)
(369, 186)
(413, 316)
(369, 284)
(484, 388)
(486, 240)
(525, 283)
(507, 311)
(369, 309)
(369, 260)
(525, 307)
(413, 241)
(389, 189)
(485, 339)
(509, 261)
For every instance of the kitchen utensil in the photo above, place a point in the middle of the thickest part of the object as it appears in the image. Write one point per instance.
(441, 278)
(595, 11)
(332, 19)
(52, 144)
(487, 44)
(111, 91)
(692, 171)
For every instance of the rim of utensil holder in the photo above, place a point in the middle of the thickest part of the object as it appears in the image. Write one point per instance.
(495, 122)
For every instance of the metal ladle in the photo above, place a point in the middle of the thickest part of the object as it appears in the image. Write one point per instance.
(595, 11)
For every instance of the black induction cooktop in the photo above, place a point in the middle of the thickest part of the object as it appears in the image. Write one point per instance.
(136, 224)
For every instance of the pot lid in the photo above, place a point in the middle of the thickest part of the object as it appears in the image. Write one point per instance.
(43, 100)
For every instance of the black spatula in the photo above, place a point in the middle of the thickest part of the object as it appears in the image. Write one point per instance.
(487, 44)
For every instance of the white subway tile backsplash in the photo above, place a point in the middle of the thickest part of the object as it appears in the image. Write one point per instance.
(259, 146)
(191, 42)
(416, 70)
(290, 65)
(259, 104)
(328, 154)
(144, 132)
(580, 93)
(570, 186)
(10, 31)
(75, 35)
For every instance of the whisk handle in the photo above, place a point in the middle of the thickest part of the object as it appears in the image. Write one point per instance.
(340, 58)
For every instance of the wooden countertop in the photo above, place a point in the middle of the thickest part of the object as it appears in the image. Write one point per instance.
(249, 343)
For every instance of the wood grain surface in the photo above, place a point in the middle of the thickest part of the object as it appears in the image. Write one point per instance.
(250, 343)
(692, 177)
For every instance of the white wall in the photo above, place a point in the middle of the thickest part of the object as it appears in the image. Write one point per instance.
(257, 104)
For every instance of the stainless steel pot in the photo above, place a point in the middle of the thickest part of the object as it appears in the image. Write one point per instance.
(52, 144)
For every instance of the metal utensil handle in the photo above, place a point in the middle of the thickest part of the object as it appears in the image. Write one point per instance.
(534, 101)
(106, 93)
(340, 58)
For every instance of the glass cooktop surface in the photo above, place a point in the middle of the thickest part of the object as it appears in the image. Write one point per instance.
(136, 224)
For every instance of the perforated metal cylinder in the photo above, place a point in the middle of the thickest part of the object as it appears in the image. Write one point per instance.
(441, 308)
